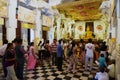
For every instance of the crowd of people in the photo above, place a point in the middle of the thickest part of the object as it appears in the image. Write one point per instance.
(14, 57)
(80, 51)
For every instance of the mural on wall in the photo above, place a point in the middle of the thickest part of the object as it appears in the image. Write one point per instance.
(46, 20)
(99, 28)
(80, 28)
(26, 15)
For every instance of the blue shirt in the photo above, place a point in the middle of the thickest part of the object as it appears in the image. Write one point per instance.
(59, 50)
(102, 62)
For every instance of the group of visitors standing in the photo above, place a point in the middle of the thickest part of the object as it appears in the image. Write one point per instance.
(53, 51)
(14, 56)
(13, 59)
(82, 51)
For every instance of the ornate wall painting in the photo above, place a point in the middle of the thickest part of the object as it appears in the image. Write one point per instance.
(26, 15)
(46, 21)
(99, 28)
(80, 28)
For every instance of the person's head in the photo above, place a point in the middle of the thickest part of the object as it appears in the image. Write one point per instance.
(19, 41)
(81, 40)
(103, 43)
(54, 40)
(102, 69)
(14, 41)
(32, 43)
(102, 55)
(47, 41)
(90, 40)
(9, 46)
(39, 43)
(59, 41)
(113, 61)
(5, 41)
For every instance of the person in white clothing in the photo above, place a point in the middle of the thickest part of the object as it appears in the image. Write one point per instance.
(2, 53)
(89, 47)
(10, 60)
(111, 70)
(101, 75)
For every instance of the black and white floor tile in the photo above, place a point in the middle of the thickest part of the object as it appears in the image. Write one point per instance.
(50, 72)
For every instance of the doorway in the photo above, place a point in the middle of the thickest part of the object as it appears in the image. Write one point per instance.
(44, 35)
(89, 25)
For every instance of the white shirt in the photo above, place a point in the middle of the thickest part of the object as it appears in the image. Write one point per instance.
(2, 49)
(102, 76)
(111, 70)
(89, 49)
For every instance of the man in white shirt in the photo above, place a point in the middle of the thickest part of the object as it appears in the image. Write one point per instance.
(89, 47)
(102, 75)
(2, 52)
(111, 69)
(3, 48)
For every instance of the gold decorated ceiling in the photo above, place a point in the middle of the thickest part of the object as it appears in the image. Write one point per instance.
(81, 10)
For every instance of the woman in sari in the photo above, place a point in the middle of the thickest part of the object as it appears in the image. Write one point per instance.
(10, 60)
(31, 58)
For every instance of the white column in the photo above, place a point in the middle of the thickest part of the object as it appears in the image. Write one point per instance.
(58, 28)
(118, 42)
(118, 31)
(11, 22)
(38, 26)
(51, 31)
(37, 29)
(118, 51)
(113, 32)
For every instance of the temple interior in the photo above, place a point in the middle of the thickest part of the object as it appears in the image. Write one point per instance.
(67, 20)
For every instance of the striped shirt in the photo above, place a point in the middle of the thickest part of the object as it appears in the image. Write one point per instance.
(54, 48)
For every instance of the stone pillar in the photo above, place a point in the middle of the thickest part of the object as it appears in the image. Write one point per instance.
(113, 32)
(118, 42)
(37, 30)
(51, 31)
(58, 28)
(118, 31)
(11, 22)
(118, 51)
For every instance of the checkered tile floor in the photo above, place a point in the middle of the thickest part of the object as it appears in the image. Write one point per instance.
(49, 72)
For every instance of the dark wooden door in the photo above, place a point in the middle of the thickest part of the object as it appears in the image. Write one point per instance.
(44, 35)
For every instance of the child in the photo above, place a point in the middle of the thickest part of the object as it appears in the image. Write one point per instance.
(101, 75)
(102, 62)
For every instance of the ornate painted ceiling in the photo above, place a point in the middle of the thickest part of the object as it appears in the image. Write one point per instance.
(81, 10)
